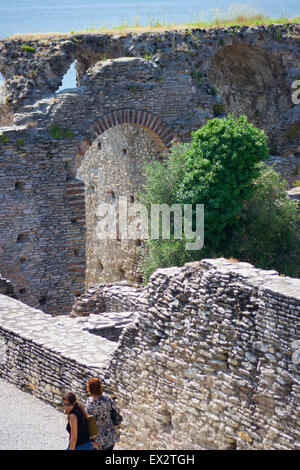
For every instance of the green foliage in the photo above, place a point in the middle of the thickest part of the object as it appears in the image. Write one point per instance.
(248, 214)
(268, 231)
(197, 75)
(68, 133)
(216, 169)
(4, 139)
(147, 55)
(56, 131)
(28, 48)
(220, 166)
(59, 132)
(20, 141)
(162, 182)
(162, 178)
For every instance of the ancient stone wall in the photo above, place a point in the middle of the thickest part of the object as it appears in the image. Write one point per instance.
(112, 171)
(48, 356)
(6, 287)
(208, 356)
(212, 362)
(42, 221)
(108, 297)
(136, 95)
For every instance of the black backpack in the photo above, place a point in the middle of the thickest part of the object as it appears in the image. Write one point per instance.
(115, 416)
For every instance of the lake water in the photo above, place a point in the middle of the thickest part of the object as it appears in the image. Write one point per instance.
(24, 16)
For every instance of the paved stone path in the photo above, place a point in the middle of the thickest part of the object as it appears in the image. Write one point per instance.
(27, 423)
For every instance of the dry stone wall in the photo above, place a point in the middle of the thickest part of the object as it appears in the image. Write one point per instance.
(205, 356)
(48, 356)
(212, 362)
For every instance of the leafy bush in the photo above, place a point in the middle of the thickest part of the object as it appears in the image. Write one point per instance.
(248, 214)
(268, 231)
(220, 166)
(4, 139)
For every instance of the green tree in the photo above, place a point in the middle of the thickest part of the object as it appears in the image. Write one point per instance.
(268, 231)
(248, 214)
(220, 165)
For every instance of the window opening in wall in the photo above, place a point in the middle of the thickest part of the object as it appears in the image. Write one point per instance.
(69, 79)
(22, 291)
(99, 144)
(22, 238)
(22, 260)
(76, 253)
(19, 185)
(73, 221)
(43, 300)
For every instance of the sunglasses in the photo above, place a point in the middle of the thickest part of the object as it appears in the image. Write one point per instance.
(68, 404)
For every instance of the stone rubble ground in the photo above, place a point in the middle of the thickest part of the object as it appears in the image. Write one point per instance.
(27, 423)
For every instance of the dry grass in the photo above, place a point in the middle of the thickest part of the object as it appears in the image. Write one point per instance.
(136, 28)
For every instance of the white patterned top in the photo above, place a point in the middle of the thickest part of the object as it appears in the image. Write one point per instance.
(100, 408)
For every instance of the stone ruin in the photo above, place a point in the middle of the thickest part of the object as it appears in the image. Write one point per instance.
(212, 345)
(205, 356)
(62, 153)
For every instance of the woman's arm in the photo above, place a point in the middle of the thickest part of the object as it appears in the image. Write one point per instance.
(74, 431)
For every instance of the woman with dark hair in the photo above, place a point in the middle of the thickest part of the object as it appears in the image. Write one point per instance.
(77, 425)
(100, 406)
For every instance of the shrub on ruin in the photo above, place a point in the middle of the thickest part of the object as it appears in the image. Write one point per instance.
(28, 48)
(268, 231)
(220, 165)
(223, 168)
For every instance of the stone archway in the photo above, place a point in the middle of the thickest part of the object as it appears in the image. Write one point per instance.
(160, 130)
(110, 163)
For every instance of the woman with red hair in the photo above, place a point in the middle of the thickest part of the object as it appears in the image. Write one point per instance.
(100, 407)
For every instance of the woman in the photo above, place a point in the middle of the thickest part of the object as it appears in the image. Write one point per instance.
(77, 425)
(100, 407)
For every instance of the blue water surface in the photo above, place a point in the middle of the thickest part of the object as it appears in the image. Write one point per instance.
(34, 16)
(23, 16)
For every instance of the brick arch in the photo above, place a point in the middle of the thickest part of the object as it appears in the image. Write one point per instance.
(150, 121)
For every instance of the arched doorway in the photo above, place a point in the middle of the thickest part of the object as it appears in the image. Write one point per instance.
(112, 167)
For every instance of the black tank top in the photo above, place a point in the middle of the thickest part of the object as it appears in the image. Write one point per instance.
(82, 423)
